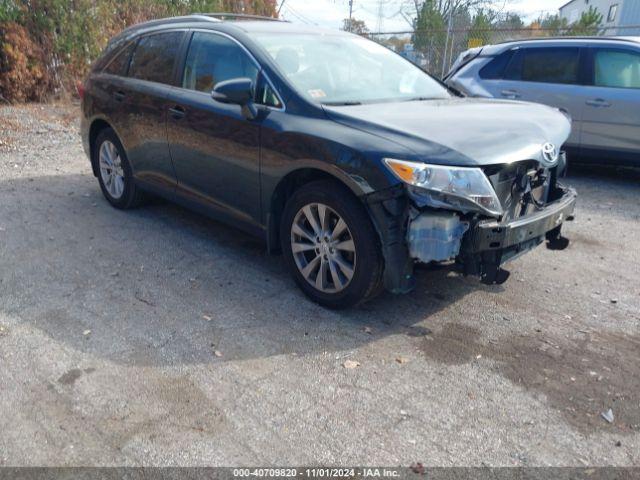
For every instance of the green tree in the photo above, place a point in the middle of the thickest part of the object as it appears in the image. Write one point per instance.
(590, 23)
(480, 30)
(356, 26)
(554, 25)
(430, 27)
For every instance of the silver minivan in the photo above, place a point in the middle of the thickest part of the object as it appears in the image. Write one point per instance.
(596, 80)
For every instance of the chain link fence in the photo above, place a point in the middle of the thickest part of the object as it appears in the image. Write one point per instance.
(436, 50)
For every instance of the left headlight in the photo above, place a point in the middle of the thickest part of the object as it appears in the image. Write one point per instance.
(455, 186)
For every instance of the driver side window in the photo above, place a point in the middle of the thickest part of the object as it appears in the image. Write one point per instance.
(213, 59)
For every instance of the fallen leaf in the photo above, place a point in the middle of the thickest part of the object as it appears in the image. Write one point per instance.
(351, 364)
(86, 332)
(402, 360)
(608, 415)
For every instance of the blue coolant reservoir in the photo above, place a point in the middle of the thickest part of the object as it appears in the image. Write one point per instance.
(435, 236)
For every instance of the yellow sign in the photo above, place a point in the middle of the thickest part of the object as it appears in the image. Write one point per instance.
(475, 42)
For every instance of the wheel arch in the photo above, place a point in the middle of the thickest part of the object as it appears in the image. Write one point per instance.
(97, 125)
(293, 181)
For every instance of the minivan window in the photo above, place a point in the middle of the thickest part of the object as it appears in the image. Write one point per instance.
(154, 57)
(213, 59)
(345, 69)
(495, 68)
(616, 68)
(119, 65)
(546, 65)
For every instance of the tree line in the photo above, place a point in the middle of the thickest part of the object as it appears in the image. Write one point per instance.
(47, 46)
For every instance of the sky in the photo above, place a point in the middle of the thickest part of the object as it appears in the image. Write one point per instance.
(330, 13)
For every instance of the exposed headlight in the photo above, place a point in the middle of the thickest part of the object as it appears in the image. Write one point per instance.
(454, 186)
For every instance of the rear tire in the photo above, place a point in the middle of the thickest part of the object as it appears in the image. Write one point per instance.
(330, 245)
(114, 172)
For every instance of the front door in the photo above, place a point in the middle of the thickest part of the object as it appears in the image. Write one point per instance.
(612, 107)
(214, 147)
(550, 76)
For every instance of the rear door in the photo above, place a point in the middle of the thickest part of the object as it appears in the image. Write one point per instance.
(549, 75)
(144, 95)
(611, 127)
(214, 147)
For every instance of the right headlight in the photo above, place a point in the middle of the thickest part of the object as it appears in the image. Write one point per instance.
(453, 187)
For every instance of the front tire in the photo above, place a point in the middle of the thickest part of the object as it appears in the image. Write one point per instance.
(330, 246)
(114, 172)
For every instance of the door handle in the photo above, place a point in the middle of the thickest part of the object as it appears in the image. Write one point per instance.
(598, 102)
(119, 95)
(511, 94)
(177, 112)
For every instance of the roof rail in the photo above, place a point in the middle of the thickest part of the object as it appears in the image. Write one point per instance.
(166, 21)
(238, 16)
(630, 39)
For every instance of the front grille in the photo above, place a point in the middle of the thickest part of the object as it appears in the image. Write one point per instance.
(512, 183)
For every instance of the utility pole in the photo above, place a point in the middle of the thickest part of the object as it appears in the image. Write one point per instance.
(350, 14)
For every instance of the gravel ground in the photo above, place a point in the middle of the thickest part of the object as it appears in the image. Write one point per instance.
(158, 337)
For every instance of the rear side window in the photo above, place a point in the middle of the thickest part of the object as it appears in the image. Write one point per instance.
(617, 68)
(213, 59)
(154, 57)
(119, 65)
(545, 65)
(494, 70)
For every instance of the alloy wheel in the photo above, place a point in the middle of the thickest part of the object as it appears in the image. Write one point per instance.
(111, 170)
(323, 248)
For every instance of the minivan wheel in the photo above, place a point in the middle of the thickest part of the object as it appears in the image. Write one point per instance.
(114, 172)
(331, 246)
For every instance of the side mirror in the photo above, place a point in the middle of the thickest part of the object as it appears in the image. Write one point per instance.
(237, 91)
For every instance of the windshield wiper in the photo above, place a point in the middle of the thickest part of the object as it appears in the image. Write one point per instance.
(421, 99)
(341, 104)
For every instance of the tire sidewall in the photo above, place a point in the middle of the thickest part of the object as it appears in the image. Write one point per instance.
(364, 238)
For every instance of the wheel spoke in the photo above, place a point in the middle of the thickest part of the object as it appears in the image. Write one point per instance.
(306, 271)
(311, 218)
(322, 213)
(338, 230)
(302, 232)
(119, 181)
(335, 276)
(321, 277)
(346, 246)
(302, 247)
(344, 266)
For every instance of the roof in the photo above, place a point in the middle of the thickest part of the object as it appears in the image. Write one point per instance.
(246, 23)
(566, 4)
(569, 39)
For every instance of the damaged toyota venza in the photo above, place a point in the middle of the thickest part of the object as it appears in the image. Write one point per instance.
(349, 159)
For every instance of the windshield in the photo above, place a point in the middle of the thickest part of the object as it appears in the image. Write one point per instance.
(347, 70)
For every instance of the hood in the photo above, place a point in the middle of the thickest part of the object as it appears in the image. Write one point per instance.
(462, 131)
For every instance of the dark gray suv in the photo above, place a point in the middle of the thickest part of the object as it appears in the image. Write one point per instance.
(336, 151)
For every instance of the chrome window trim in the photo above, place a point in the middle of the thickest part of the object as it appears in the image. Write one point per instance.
(283, 108)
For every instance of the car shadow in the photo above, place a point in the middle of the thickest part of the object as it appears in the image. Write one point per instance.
(162, 285)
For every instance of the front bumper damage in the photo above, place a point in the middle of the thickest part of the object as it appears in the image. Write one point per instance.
(470, 244)
(490, 244)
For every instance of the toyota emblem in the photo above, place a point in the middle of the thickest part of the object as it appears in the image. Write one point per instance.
(550, 153)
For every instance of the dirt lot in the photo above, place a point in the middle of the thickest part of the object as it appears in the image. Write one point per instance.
(110, 322)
